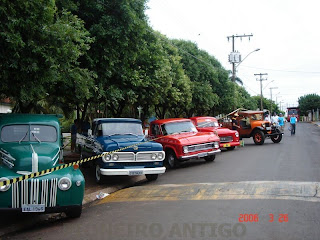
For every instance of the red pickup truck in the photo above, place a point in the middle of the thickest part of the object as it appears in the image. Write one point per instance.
(228, 138)
(181, 141)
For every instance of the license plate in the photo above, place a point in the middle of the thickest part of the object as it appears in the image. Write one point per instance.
(202, 155)
(131, 173)
(268, 128)
(226, 145)
(33, 208)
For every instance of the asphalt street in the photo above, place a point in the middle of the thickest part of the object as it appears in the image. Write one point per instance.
(255, 192)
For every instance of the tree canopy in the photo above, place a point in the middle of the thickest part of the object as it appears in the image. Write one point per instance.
(102, 59)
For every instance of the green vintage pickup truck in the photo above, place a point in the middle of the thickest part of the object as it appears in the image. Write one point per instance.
(31, 143)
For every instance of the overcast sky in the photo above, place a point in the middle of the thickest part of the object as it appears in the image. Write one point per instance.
(286, 31)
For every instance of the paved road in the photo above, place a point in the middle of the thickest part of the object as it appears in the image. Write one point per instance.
(255, 192)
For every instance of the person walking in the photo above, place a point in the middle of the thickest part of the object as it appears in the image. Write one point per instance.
(293, 121)
(281, 122)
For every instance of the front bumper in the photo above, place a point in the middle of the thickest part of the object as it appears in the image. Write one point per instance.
(56, 209)
(132, 171)
(200, 155)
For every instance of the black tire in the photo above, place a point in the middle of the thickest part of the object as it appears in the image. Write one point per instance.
(278, 138)
(152, 177)
(258, 137)
(210, 158)
(74, 212)
(171, 160)
(231, 148)
(99, 178)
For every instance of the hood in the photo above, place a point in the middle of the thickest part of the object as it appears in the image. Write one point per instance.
(225, 132)
(194, 138)
(48, 155)
(117, 142)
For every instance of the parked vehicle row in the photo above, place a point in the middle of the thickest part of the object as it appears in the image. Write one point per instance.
(32, 143)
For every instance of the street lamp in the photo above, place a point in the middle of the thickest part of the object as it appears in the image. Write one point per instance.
(271, 98)
(234, 67)
(256, 50)
(268, 84)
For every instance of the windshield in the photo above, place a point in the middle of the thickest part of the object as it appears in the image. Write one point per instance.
(257, 117)
(28, 133)
(292, 112)
(178, 127)
(124, 128)
(207, 123)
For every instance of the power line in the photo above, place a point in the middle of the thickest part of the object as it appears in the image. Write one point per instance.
(278, 70)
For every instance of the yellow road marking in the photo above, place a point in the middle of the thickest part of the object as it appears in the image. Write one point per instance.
(286, 190)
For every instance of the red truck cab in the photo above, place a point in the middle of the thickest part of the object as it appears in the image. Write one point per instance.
(181, 141)
(228, 138)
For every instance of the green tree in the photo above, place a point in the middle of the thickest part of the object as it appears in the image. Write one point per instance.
(309, 102)
(40, 48)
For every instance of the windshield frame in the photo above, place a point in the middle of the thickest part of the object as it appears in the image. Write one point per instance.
(167, 131)
(120, 128)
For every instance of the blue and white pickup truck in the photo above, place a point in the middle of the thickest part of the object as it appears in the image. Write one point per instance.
(110, 134)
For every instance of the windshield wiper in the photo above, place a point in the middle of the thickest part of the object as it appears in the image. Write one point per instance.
(36, 137)
(24, 137)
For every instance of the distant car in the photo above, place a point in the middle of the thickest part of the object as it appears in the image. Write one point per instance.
(252, 124)
(140, 157)
(181, 141)
(228, 138)
(31, 143)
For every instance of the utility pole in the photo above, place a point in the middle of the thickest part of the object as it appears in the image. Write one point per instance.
(271, 98)
(233, 51)
(261, 79)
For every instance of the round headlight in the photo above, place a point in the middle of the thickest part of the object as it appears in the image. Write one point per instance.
(185, 149)
(216, 145)
(106, 157)
(154, 156)
(64, 184)
(4, 187)
(237, 134)
(115, 157)
(160, 155)
(263, 125)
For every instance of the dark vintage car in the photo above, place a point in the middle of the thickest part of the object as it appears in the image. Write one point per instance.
(31, 143)
(140, 156)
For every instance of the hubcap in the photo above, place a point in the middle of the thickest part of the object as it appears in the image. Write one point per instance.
(171, 160)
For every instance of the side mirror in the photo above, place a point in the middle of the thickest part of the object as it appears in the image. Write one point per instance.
(89, 132)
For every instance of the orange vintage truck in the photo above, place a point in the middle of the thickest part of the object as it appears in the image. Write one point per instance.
(252, 124)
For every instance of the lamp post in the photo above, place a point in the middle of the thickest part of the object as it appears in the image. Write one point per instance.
(234, 67)
(271, 98)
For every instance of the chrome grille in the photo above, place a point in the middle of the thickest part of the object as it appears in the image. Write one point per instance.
(200, 147)
(226, 139)
(125, 156)
(35, 191)
(146, 156)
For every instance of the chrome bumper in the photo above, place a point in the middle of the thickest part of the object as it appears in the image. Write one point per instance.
(132, 171)
(201, 155)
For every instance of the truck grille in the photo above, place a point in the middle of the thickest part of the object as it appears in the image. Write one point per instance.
(200, 147)
(35, 191)
(226, 139)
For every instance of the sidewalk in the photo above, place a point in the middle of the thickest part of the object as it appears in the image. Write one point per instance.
(10, 223)
(316, 123)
